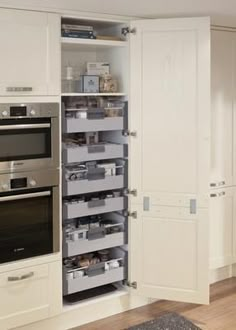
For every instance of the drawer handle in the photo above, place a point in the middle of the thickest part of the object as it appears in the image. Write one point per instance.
(218, 194)
(98, 203)
(217, 184)
(96, 148)
(20, 278)
(19, 89)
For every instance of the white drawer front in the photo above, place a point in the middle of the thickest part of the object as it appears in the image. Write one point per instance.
(26, 295)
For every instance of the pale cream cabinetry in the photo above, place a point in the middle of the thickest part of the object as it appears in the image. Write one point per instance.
(30, 53)
(30, 294)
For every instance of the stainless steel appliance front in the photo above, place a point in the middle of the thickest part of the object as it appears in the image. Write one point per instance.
(29, 136)
(29, 214)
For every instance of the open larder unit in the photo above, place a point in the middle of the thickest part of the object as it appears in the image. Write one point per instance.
(136, 157)
(95, 157)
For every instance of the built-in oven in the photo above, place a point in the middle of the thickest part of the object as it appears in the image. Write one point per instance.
(29, 214)
(29, 136)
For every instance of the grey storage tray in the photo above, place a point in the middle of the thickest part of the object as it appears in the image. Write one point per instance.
(86, 186)
(81, 284)
(87, 153)
(73, 248)
(74, 125)
(76, 210)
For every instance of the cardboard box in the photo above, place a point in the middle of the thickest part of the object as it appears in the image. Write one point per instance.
(98, 68)
(90, 84)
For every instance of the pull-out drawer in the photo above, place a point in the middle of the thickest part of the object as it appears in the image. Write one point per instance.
(86, 186)
(99, 241)
(89, 282)
(75, 210)
(102, 273)
(74, 154)
(73, 125)
(26, 294)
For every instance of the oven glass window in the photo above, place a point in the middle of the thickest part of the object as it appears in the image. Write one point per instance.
(31, 142)
(26, 226)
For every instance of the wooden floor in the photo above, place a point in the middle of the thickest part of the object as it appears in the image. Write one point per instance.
(219, 315)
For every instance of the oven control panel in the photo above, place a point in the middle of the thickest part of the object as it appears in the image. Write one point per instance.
(29, 110)
(18, 183)
(21, 181)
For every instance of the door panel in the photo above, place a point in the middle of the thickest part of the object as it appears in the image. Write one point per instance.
(222, 76)
(171, 86)
(170, 158)
(30, 49)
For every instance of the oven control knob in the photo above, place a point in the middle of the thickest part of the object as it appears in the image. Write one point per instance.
(5, 186)
(32, 183)
(32, 112)
(4, 113)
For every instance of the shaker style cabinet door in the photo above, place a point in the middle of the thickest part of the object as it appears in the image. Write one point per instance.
(30, 53)
(222, 78)
(30, 294)
(170, 158)
(221, 227)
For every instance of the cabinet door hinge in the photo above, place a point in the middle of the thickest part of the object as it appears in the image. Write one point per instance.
(133, 215)
(130, 133)
(132, 285)
(127, 30)
(131, 192)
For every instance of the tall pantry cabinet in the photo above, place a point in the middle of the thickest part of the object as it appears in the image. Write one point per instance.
(168, 155)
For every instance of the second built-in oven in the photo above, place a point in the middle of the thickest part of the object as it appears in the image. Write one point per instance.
(29, 136)
(29, 214)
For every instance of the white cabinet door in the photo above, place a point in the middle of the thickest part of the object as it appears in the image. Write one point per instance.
(30, 294)
(170, 158)
(30, 53)
(222, 78)
(221, 227)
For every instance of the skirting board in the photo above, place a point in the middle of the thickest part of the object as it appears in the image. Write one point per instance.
(221, 274)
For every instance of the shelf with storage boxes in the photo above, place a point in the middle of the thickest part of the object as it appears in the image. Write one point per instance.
(93, 176)
(88, 234)
(86, 121)
(101, 114)
(73, 153)
(91, 204)
(92, 270)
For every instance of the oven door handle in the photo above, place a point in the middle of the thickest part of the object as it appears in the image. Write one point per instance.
(24, 196)
(24, 126)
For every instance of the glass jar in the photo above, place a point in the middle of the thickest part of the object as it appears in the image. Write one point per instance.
(108, 84)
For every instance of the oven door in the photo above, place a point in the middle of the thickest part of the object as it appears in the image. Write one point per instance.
(29, 224)
(28, 144)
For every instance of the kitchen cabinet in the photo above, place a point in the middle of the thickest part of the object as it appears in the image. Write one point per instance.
(30, 294)
(30, 53)
(221, 227)
(222, 96)
(169, 157)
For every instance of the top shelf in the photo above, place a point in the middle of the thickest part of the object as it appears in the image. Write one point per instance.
(75, 43)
